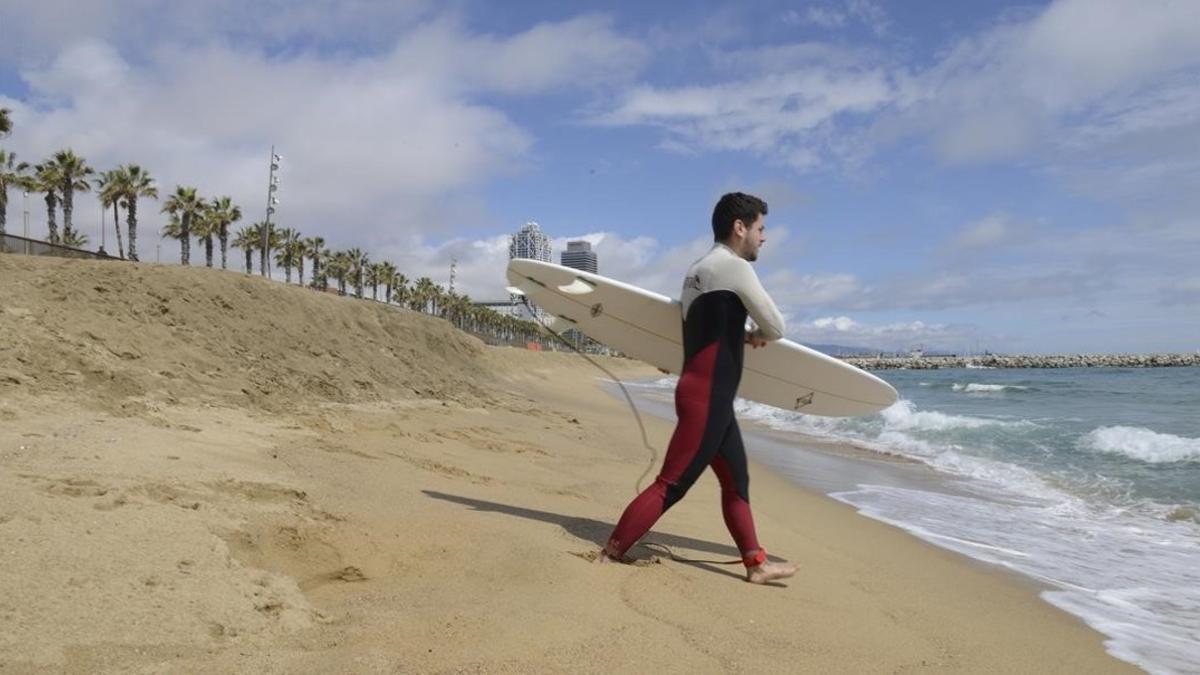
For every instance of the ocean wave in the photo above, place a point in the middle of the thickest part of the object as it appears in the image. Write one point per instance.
(902, 415)
(1142, 444)
(975, 387)
(787, 420)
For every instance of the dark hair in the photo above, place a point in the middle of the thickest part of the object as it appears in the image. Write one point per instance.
(735, 206)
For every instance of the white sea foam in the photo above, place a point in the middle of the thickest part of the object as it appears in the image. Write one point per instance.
(1142, 444)
(786, 420)
(902, 415)
(1131, 577)
(977, 388)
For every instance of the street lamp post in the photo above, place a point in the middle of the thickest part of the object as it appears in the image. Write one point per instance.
(272, 201)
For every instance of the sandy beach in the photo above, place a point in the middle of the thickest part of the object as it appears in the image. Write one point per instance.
(202, 471)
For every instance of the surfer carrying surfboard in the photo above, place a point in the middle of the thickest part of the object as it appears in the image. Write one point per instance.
(719, 291)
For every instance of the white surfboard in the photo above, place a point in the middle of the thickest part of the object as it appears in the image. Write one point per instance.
(648, 326)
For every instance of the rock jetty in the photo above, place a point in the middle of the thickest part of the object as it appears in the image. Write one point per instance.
(998, 361)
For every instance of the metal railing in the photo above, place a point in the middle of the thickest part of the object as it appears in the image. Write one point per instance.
(11, 243)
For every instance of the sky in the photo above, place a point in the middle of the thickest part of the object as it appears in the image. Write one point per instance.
(954, 176)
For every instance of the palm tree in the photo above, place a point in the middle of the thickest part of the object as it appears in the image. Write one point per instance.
(373, 280)
(398, 289)
(423, 294)
(73, 173)
(285, 257)
(204, 228)
(137, 183)
(187, 206)
(272, 243)
(387, 274)
(110, 187)
(5, 122)
(173, 229)
(339, 266)
(247, 239)
(358, 264)
(298, 254)
(314, 248)
(224, 213)
(12, 174)
(75, 239)
(45, 179)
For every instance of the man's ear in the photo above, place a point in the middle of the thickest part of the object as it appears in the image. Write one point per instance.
(740, 229)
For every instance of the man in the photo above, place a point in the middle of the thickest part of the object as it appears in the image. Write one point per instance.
(719, 291)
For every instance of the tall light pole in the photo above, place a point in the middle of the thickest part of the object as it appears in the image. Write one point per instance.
(272, 201)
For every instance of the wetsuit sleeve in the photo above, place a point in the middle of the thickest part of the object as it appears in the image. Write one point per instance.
(758, 304)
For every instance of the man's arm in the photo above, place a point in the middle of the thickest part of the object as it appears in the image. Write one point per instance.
(758, 304)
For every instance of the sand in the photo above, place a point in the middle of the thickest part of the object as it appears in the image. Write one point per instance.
(202, 471)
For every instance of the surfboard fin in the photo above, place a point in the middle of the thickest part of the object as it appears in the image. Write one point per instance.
(578, 287)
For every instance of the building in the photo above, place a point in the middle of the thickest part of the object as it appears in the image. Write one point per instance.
(579, 255)
(530, 242)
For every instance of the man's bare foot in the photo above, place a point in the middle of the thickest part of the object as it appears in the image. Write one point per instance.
(769, 571)
(605, 557)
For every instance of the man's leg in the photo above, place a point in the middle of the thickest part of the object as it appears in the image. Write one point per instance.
(697, 438)
(734, 476)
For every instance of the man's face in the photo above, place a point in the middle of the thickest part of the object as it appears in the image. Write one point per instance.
(752, 240)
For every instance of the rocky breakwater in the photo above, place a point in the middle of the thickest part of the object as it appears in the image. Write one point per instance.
(1018, 361)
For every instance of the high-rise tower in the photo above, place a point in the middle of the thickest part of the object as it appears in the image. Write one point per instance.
(579, 255)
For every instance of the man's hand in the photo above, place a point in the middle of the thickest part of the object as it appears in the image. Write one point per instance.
(755, 341)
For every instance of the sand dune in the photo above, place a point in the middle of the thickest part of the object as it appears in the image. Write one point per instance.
(202, 471)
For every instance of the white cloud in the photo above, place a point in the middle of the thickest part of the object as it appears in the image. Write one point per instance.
(990, 232)
(866, 12)
(376, 145)
(787, 117)
(792, 290)
(840, 324)
(1025, 85)
(845, 331)
(34, 31)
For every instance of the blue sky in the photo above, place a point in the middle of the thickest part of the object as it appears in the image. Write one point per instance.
(958, 176)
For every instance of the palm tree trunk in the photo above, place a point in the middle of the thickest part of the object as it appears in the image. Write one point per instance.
(117, 227)
(51, 208)
(185, 239)
(68, 206)
(224, 244)
(208, 250)
(131, 225)
(249, 253)
(287, 273)
(300, 270)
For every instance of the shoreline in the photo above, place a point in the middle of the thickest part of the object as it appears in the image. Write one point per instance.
(1170, 360)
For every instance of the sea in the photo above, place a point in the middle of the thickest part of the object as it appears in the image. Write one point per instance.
(1085, 479)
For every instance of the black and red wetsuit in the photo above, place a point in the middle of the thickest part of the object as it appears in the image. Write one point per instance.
(719, 291)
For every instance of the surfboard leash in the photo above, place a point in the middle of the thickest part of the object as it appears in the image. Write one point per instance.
(637, 488)
(628, 398)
